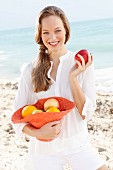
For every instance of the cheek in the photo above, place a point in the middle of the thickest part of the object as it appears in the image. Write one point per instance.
(63, 37)
(44, 39)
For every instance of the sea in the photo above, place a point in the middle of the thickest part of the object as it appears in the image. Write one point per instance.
(18, 47)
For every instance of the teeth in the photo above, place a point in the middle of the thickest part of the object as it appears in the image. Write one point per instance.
(54, 43)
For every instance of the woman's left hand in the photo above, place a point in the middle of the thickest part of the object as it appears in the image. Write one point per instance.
(78, 67)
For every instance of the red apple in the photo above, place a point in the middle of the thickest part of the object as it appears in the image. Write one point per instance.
(84, 54)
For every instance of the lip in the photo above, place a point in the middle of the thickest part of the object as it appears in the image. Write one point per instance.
(54, 43)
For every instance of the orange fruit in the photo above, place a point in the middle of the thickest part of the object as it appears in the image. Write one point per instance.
(37, 111)
(28, 110)
(53, 109)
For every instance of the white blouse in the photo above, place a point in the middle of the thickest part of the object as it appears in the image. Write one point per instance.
(74, 133)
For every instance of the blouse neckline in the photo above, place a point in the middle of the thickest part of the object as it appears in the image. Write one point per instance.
(62, 58)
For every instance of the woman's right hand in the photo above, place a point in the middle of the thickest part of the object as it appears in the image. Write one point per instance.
(49, 131)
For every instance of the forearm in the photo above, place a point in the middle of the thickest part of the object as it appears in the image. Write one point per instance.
(49, 131)
(78, 95)
(31, 131)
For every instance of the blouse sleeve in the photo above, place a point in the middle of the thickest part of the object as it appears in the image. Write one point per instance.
(88, 87)
(24, 96)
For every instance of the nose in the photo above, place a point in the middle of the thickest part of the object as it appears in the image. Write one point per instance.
(52, 36)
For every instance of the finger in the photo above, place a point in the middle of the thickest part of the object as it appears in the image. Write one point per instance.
(89, 60)
(89, 57)
(56, 128)
(78, 64)
(54, 123)
(58, 134)
(82, 59)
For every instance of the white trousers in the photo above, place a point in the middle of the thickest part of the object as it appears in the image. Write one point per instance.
(86, 159)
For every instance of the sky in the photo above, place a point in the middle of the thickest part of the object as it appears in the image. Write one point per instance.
(20, 13)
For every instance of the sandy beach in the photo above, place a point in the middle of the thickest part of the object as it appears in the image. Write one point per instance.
(13, 150)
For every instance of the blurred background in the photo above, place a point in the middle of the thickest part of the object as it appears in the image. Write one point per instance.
(91, 28)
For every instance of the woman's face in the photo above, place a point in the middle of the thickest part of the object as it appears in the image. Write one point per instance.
(53, 33)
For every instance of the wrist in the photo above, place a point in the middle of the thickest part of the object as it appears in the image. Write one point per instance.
(73, 78)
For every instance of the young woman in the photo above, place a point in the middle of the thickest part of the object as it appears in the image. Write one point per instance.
(54, 73)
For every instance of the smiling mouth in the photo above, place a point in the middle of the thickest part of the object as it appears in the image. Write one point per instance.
(53, 43)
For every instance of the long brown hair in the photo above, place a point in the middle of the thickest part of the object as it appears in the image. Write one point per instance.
(40, 80)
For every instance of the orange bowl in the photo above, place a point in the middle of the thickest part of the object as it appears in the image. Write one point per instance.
(39, 119)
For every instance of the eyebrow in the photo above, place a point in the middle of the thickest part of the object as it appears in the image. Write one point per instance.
(55, 28)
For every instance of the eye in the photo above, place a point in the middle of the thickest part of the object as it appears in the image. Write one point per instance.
(58, 30)
(45, 32)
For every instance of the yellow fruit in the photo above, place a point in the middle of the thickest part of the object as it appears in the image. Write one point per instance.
(51, 103)
(37, 111)
(28, 110)
(52, 109)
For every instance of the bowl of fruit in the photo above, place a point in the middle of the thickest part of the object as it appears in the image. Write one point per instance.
(43, 111)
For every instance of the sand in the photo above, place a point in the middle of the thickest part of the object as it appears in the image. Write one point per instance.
(13, 150)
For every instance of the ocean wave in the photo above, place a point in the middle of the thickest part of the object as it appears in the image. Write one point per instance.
(2, 56)
(104, 80)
